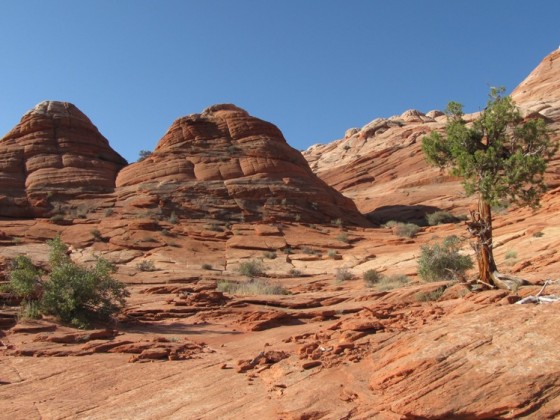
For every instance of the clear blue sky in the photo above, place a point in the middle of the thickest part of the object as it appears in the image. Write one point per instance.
(312, 67)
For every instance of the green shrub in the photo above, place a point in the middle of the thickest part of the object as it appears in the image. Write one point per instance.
(371, 277)
(97, 235)
(440, 217)
(72, 293)
(343, 237)
(442, 261)
(343, 273)
(511, 254)
(270, 255)
(430, 296)
(251, 287)
(57, 218)
(146, 265)
(251, 268)
(392, 282)
(407, 230)
(173, 219)
(294, 272)
(24, 279)
(331, 253)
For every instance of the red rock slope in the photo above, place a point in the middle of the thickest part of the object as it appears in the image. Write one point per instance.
(381, 166)
(229, 166)
(55, 149)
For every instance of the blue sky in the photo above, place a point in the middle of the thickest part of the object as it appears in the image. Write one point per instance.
(312, 67)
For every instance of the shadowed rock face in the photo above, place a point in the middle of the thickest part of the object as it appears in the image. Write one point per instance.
(230, 166)
(55, 149)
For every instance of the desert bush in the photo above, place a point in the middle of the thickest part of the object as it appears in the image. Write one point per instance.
(251, 287)
(407, 230)
(331, 253)
(440, 217)
(146, 265)
(270, 255)
(206, 266)
(251, 268)
(288, 250)
(343, 273)
(430, 296)
(391, 282)
(173, 219)
(343, 237)
(442, 261)
(24, 279)
(57, 218)
(294, 272)
(538, 234)
(97, 235)
(371, 277)
(72, 293)
(511, 254)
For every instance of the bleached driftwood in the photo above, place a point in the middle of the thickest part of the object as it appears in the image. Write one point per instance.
(540, 299)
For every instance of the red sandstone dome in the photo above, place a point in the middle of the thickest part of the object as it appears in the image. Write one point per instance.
(55, 149)
(228, 165)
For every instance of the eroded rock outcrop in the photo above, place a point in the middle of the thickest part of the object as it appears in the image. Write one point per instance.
(55, 149)
(227, 165)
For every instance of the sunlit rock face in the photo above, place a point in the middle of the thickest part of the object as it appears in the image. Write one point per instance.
(228, 165)
(55, 149)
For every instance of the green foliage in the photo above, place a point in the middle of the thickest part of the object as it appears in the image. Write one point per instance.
(392, 282)
(343, 274)
(146, 265)
(270, 255)
(251, 287)
(251, 268)
(143, 154)
(371, 277)
(72, 293)
(430, 296)
(439, 217)
(500, 156)
(24, 278)
(442, 261)
(343, 237)
(406, 230)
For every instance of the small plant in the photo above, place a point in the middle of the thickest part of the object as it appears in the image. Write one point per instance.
(331, 253)
(439, 217)
(538, 234)
(442, 261)
(251, 268)
(206, 266)
(57, 218)
(173, 219)
(342, 274)
(97, 235)
(146, 265)
(372, 277)
(407, 230)
(72, 293)
(251, 287)
(270, 255)
(143, 154)
(310, 251)
(288, 250)
(214, 227)
(511, 254)
(343, 237)
(166, 232)
(294, 272)
(108, 212)
(391, 224)
(337, 222)
(430, 296)
(392, 282)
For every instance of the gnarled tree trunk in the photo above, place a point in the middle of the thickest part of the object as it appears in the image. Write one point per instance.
(480, 226)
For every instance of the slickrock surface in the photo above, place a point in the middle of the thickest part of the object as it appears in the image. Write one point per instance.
(55, 149)
(231, 166)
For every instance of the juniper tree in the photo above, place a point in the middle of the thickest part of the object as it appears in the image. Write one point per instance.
(501, 157)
